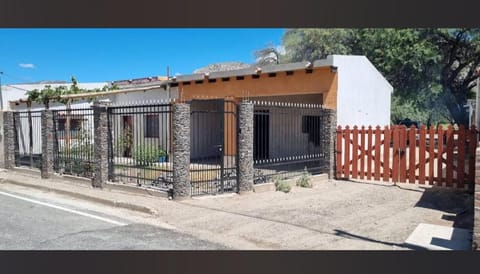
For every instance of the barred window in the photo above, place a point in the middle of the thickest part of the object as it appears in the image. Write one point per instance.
(311, 125)
(152, 126)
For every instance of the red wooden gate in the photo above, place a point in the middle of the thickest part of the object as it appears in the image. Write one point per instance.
(399, 154)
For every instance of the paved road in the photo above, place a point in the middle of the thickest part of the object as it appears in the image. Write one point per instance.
(27, 223)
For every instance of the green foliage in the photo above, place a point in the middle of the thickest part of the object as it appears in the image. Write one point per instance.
(313, 44)
(281, 185)
(49, 94)
(125, 140)
(145, 155)
(304, 180)
(432, 71)
(45, 95)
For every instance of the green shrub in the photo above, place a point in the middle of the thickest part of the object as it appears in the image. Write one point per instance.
(146, 155)
(282, 185)
(304, 180)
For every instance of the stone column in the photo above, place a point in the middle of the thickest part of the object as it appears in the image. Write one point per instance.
(47, 144)
(100, 124)
(245, 146)
(476, 203)
(8, 139)
(181, 151)
(327, 135)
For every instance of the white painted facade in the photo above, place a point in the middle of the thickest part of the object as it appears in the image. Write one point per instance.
(16, 92)
(364, 95)
(12, 93)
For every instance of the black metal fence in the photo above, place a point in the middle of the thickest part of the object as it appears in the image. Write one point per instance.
(73, 143)
(213, 151)
(287, 140)
(28, 136)
(140, 145)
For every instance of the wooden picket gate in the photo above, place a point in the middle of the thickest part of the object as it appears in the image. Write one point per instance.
(399, 154)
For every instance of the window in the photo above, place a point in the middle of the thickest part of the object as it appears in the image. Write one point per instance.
(152, 126)
(75, 126)
(311, 125)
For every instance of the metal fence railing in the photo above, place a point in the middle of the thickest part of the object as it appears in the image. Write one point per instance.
(140, 145)
(74, 142)
(287, 140)
(28, 132)
(213, 147)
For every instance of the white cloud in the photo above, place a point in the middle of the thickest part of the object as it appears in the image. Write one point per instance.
(26, 66)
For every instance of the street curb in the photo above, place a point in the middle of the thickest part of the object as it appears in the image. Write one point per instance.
(119, 204)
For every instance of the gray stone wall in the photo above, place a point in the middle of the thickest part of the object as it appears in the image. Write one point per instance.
(8, 140)
(476, 218)
(327, 137)
(47, 144)
(100, 124)
(181, 151)
(245, 147)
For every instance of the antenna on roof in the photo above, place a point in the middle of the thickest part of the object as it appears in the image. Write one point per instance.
(168, 82)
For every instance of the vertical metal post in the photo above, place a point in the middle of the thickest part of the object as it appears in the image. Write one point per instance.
(222, 113)
(477, 102)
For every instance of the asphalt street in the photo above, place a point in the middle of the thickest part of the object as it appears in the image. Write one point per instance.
(32, 224)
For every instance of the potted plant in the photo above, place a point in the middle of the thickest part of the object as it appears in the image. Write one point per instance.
(162, 156)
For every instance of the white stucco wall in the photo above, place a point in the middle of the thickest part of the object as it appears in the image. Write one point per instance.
(363, 93)
(18, 91)
(145, 96)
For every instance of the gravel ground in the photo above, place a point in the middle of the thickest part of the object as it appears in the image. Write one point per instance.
(333, 215)
(336, 215)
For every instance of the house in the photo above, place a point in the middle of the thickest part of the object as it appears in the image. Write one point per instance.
(351, 85)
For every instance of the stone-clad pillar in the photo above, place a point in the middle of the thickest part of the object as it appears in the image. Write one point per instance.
(245, 147)
(476, 203)
(47, 144)
(327, 135)
(181, 151)
(8, 139)
(100, 124)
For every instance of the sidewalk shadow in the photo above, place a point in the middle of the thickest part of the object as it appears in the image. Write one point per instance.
(457, 204)
(348, 235)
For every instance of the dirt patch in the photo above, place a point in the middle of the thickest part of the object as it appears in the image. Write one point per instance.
(336, 215)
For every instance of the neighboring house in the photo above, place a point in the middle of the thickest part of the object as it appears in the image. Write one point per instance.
(131, 92)
(14, 98)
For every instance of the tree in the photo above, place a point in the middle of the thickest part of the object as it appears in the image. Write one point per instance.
(432, 70)
(312, 44)
(460, 56)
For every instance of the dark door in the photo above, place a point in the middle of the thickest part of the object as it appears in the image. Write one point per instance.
(261, 135)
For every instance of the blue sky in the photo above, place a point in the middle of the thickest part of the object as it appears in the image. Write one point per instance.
(95, 55)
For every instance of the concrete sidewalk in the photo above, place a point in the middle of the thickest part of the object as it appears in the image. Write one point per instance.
(332, 215)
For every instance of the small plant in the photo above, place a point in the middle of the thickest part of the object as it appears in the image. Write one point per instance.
(124, 142)
(146, 155)
(282, 185)
(304, 180)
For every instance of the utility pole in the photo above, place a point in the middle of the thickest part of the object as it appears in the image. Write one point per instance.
(168, 83)
(1, 93)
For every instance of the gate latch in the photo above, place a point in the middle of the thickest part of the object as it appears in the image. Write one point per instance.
(219, 148)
